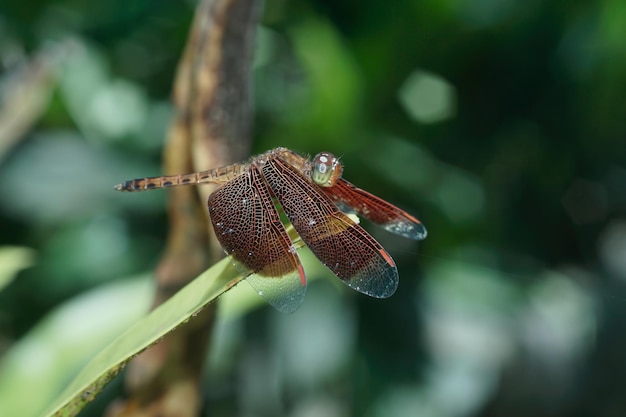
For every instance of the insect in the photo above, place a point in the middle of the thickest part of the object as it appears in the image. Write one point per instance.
(245, 213)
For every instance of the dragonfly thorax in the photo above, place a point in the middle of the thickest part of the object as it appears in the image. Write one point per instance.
(326, 169)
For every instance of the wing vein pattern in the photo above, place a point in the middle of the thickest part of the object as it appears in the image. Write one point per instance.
(248, 226)
(342, 245)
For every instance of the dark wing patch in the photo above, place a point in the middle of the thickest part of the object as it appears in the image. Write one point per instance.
(248, 226)
(342, 245)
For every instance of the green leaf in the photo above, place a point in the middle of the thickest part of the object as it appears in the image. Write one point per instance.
(12, 260)
(146, 332)
(65, 340)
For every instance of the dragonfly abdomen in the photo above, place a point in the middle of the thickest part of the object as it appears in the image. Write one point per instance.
(213, 176)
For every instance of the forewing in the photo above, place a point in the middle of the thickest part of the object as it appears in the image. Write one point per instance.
(342, 245)
(376, 210)
(248, 226)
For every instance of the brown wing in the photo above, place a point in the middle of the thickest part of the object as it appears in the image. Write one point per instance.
(248, 226)
(342, 245)
(376, 210)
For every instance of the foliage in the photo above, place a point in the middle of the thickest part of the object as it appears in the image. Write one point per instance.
(500, 124)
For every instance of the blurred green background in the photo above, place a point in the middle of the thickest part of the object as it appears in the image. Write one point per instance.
(500, 124)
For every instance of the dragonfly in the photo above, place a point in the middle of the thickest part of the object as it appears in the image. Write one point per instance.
(245, 211)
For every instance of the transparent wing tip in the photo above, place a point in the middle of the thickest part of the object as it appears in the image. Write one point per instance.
(285, 293)
(376, 287)
(415, 231)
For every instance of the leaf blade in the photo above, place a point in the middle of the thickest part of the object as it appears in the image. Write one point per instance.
(164, 319)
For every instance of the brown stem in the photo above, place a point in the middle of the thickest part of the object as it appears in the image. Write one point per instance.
(211, 128)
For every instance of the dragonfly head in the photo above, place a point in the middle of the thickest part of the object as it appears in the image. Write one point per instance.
(326, 169)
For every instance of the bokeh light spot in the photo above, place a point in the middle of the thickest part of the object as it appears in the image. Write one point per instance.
(428, 98)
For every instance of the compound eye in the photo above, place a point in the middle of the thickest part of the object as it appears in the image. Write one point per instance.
(326, 169)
